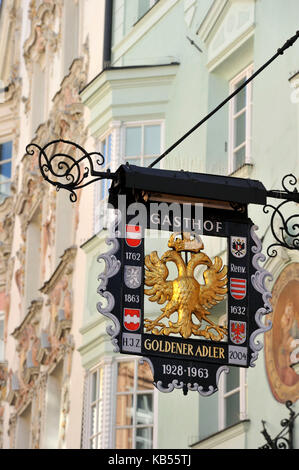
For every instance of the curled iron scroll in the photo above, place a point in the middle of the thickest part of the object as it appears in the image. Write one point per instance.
(68, 171)
(284, 228)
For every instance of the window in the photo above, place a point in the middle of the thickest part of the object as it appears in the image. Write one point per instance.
(23, 438)
(142, 143)
(5, 169)
(232, 397)
(131, 405)
(139, 143)
(240, 122)
(101, 192)
(134, 415)
(1, 336)
(96, 409)
(126, 13)
(53, 411)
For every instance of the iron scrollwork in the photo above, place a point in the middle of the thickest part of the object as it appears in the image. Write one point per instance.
(73, 172)
(284, 228)
(284, 439)
(65, 171)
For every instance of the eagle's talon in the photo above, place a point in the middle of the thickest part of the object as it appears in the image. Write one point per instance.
(151, 324)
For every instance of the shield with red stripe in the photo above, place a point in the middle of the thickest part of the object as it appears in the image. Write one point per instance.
(132, 319)
(133, 235)
(238, 288)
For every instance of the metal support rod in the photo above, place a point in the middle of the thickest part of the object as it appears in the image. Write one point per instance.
(279, 52)
(293, 196)
(285, 438)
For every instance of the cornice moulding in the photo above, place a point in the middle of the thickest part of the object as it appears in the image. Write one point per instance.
(32, 316)
(37, 21)
(210, 19)
(106, 103)
(94, 242)
(227, 26)
(6, 206)
(67, 258)
(231, 48)
(122, 76)
(223, 437)
(91, 325)
(295, 79)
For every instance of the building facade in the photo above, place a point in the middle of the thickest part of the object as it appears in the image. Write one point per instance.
(167, 70)
(46, 57)
(127, 78)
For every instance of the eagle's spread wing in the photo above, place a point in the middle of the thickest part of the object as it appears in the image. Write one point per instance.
(215, 287)
(155, 277)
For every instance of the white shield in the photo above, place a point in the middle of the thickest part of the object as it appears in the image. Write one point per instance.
(132, 276)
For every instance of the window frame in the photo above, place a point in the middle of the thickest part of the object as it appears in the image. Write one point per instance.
(117, 131)
(143, 123)
(152, 3)
(4, 162)
(135, 393)
(247, 109)
(223, 394)
(98, 370)
(100, 204)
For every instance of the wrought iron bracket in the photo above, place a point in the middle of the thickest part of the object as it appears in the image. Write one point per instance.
(65, 171)
(285, 438)
(284, 227)
(67, 165)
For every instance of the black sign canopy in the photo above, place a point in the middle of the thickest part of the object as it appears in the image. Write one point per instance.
(188, 309)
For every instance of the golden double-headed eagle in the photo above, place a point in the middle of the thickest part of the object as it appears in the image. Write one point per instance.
(185, 295)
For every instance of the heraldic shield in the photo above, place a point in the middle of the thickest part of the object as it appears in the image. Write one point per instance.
(189, 298)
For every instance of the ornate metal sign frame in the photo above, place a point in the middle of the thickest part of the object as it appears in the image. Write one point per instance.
(184, 362)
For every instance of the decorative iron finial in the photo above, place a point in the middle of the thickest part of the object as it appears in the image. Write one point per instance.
(284, 228)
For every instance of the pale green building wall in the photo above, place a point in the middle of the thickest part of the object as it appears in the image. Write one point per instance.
(192, 93)
(274, 154)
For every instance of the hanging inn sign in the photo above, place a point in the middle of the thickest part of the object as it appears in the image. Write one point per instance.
(183, 284)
